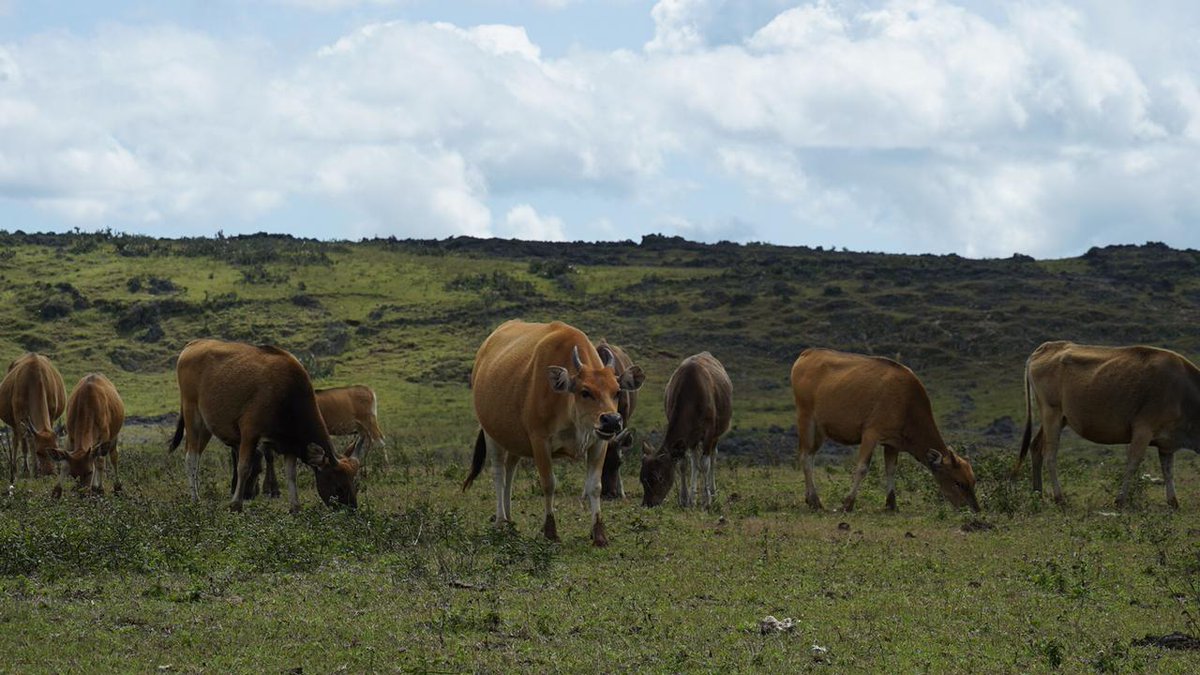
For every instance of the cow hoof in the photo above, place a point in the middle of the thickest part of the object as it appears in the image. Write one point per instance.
(847, 505)
(1173, 503)
(117, 489)
(814, 503)
(294, 510)
(550, 530)
(56, 492)
(891, 502)
(235, 507)
(599, 538)
(97, 491)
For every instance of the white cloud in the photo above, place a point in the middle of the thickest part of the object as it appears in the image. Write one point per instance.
(971, 126)
(523, 222)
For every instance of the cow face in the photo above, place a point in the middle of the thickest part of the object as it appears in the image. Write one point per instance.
(337, 477)
(594, 392)
(45, 449)
(954, 477)
(79, 463)
(658, 475)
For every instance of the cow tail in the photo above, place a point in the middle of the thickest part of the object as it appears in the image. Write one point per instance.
(476, 460)
(178, 437)
(1027, 439)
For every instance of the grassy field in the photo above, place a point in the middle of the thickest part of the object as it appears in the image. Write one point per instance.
(419, 580)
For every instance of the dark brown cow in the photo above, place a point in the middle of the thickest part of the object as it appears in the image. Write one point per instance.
(346, 410)
(611, 486)
(95, 415)
(851, 398)
(699, 406)
(1143, 396)
(32, 398)
(543, 391)
(246, 395)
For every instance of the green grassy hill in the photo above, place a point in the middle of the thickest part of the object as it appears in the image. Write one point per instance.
(418, 579)
(406, 316)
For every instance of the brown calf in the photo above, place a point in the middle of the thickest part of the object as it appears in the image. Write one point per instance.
(95, 414)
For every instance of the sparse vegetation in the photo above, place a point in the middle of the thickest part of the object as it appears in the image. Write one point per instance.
(418, 579)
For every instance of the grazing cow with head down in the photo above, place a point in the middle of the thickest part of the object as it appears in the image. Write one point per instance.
(851, 398)
(543, 391)
(246, 395)
(32, 397)
(699, 406)
(1143, 396)
(611, 486)
(95, 414)
(346, 410)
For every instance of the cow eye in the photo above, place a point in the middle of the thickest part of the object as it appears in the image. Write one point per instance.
(586, 393)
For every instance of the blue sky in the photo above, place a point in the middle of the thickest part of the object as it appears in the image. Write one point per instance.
(969, 126)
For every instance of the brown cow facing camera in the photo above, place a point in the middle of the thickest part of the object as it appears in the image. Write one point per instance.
(544, 391)
(95, 415)
(872, 401)
(246, 395)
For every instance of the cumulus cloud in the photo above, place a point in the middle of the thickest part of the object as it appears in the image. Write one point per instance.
(523, 222)
(971, 126)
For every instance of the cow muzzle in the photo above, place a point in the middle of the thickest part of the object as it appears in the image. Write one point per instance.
(610, 425)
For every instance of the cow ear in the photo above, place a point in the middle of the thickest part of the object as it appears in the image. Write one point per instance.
(647, 449)
(315, 456)
(934, 458)
(560, 379)
(358, 449)
(632, 379)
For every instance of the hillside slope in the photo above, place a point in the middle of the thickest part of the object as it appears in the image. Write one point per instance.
(406, 316)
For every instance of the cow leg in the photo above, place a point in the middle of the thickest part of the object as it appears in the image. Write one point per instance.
(245, 457)
(591, 489)
(510, 471)
(1036, 453)
(25, 447)
(706, 493)
(860, 471)
(684, 466)
(712, 472)
(541, 459)
(64, 470)
(1133, 459)
(1051, 435)
(197, 438)
(499, 478)
(289, 472)
(112, 462)
(97, 474)
(809, 441)
(891, 457)
(1166, 458)
(270, 487)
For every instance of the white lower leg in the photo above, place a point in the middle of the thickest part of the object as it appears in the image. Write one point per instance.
(192, 466)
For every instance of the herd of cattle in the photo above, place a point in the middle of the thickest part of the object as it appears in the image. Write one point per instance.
(543, 391)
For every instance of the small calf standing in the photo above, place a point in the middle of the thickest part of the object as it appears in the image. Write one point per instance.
(699, 405)
(95, 415)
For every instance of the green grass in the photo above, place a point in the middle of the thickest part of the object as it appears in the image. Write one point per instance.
(419, 580)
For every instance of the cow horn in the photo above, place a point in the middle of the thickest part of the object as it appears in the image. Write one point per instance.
(575, 361)
(606, 356)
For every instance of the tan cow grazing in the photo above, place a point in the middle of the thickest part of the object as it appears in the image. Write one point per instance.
(1142, 396)
(870, 400)
(611, 486)
(245, 395)
(543, 391)
(699, 406)
(95, 414)
(32, 397)
(346, 410)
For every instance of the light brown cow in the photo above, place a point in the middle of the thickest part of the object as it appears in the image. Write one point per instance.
(32, 397)
(1142, 396)
(543, 391)
(95, 414)
(699, 407)
(851, 398)
(245, 394)
(346, 410)
(611, 486)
